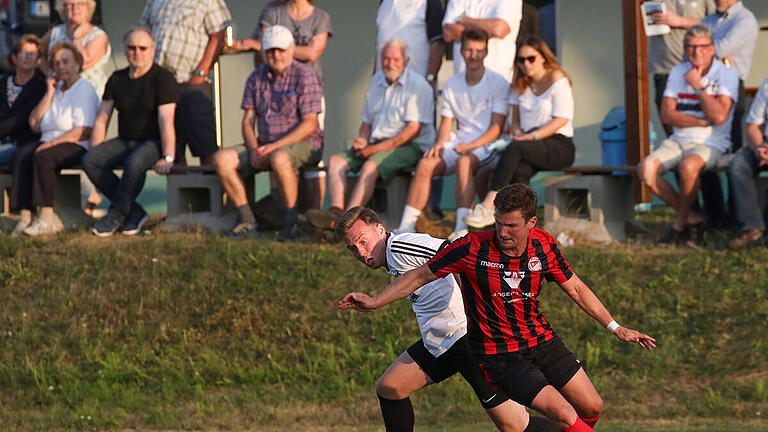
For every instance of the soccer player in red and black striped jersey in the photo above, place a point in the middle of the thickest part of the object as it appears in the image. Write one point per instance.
(502, 272)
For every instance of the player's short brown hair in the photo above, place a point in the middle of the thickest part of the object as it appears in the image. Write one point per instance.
(517, 196)
(353, 215)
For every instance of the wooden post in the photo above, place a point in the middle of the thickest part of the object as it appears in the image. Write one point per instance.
(636, 90)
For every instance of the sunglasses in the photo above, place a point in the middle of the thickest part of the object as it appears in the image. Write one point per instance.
(136, 48)
(529, 59)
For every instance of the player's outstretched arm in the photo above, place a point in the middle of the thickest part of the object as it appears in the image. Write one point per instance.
(580, 293)
(401, 287)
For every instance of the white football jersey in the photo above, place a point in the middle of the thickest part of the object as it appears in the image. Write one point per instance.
(438, 305)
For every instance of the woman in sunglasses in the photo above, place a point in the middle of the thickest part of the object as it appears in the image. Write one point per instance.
(541, 124)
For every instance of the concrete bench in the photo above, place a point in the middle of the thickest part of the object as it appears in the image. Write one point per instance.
(591, 202)
(66, 203)
(198, 189)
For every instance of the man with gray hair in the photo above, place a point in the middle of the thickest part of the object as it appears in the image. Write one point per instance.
(145, 95)
(397, 127)
(698, 104)
(282, 98)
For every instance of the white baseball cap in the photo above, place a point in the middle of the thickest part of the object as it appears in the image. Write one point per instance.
(277, 36)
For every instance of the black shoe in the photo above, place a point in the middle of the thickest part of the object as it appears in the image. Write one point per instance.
(695, 232)
(287, 233)
(106, 226)
(135, 221)
(672, 237)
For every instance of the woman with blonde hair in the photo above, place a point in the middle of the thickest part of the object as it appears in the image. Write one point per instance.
(91, 41)
(541, 124)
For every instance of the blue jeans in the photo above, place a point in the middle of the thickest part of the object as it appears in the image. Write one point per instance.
(6, 153)
(743, 170)
(136, 157)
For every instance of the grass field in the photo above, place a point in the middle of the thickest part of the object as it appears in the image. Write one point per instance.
(196, 332)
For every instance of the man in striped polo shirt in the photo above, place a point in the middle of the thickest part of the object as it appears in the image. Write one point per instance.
(443, 350)
(698, 104)
(502, 272)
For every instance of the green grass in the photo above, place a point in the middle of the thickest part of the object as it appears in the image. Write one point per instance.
(189, 331)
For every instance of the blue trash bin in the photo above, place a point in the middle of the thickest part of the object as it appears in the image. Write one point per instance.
(613, 136)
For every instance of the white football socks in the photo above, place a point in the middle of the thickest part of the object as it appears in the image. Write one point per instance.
(460, 224)
(408, 222)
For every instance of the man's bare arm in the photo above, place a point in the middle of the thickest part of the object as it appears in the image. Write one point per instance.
(580, 293)
(401, 287)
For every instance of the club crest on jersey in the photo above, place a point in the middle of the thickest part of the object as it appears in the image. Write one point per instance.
(513, 278)
(534, 264)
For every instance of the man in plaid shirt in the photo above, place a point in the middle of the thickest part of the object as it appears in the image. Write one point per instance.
(283, 98)
(190, 36)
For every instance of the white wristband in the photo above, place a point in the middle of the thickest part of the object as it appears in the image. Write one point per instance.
(612, 326)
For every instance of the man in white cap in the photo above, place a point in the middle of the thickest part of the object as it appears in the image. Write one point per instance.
(282, 98)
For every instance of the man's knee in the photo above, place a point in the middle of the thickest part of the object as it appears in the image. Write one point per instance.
(226, 160)
(336, 163)
(369, 168)
(593, 407)
(280, 161)
(691, 167)
(648, 170)
(91, 162)
(388, 388)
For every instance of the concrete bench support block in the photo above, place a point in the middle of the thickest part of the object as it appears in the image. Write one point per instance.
(597, 207)
(66, 202)
(198, 193)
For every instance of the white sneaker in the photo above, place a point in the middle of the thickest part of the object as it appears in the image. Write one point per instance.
(20, 227)
(457, 234)
(40, 227)
(479, 217)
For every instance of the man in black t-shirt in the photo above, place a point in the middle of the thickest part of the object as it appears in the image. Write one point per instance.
(145, 95)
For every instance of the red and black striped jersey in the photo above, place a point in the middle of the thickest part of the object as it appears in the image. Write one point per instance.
(500, 291)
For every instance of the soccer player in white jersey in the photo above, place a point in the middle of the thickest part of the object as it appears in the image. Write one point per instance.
(443, 349)
(476, 100)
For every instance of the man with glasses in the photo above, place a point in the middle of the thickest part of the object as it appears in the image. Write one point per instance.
(145, 95)
(698, 104)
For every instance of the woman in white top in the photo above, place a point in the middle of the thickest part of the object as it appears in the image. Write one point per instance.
(64, 118)
(93, 44)
(91, 41)
(541, 124)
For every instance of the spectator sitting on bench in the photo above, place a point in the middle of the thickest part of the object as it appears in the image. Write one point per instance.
(541, 124)
(698, 104)
(476, 99)
(20, 92)
(744, 169)
(396, 129)
(284, 96)
(145, 96)
(64, 118)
